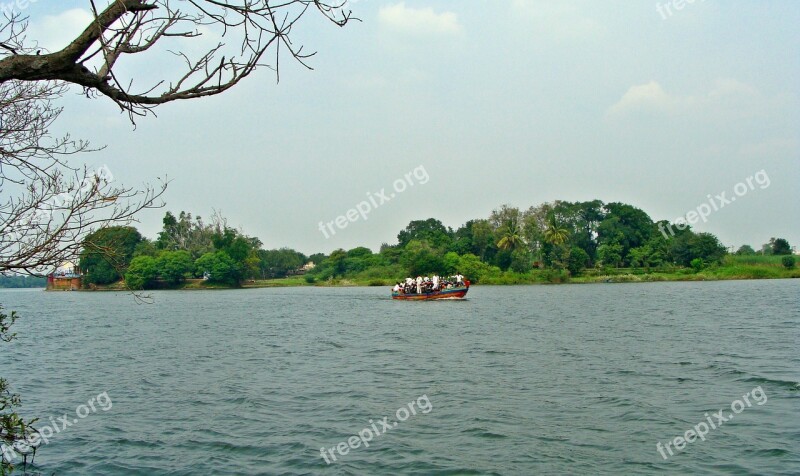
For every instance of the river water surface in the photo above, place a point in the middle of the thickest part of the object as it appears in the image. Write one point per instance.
(570, 379)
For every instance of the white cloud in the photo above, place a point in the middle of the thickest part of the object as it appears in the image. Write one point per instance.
(423, 21)
(54, 32)
(727, 96)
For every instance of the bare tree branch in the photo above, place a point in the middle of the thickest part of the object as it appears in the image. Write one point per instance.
(48, 206)
(130, 27)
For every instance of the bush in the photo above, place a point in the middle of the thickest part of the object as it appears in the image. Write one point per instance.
(697, 264)
(309, 279)
(788, 262)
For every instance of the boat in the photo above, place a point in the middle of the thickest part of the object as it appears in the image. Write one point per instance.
(459, 292)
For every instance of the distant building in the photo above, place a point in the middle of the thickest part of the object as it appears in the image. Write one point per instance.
(308, 266)
(66, 277)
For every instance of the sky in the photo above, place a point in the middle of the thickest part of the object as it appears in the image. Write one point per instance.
(450, 109)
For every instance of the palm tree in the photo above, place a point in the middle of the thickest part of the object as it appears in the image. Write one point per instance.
(555, 233)
(510, 237)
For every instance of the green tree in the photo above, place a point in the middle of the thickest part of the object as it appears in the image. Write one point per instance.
(745, 250)
(780, 246)
(174, 266)
(610, 254)
(689, 246)
(337, 262)
(219, 267)
(626, 226)
(555, 234)
(430, 230)
(788, 262)
(510, 236)
(141, 273)
(521, 260)
(451, 262)
(474, 269)
(420, 259)
(279, 263)
(577, 260)
(107, 252)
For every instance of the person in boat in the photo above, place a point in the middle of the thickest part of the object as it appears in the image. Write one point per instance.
(419, 284)
(459, 279)
(396, 287)
(435, 282)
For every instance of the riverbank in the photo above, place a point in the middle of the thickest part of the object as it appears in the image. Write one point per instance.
(732, 268)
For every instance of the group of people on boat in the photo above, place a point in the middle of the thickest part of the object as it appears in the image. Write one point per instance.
(427, 284)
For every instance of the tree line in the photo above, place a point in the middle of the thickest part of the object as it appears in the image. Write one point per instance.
(562, 237)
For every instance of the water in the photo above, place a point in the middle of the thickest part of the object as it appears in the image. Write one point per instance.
(579, 379)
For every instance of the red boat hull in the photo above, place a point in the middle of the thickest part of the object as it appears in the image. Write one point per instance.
(456, 293)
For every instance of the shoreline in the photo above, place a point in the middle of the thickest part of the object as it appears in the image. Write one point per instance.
(347, 283)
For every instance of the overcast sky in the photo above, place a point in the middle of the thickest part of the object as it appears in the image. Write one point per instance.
(492, 102)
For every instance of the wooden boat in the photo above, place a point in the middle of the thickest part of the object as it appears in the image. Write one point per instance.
(452, 293)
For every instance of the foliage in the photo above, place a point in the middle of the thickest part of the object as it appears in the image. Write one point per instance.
(788, 262)
(780, 246)
(431, 230)
(745, 250)
(141, 273)
(173, 266)
(12, 426)
(19, 281)
(219, 267)
(107, 253)
(577, 261)
(420, 259)
(279, 263)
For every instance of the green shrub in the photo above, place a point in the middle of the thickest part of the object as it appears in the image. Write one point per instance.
(788, 262)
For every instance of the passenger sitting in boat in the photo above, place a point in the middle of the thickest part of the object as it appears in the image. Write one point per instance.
(396, 288)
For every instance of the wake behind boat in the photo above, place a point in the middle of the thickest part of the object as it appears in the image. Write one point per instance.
(421, 289)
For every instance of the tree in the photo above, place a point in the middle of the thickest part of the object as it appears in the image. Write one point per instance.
(95, 59)
(510, 235)
(188, 233)
(780, 246)
(430, 230)
(421, 259)
(279, 263)
(626, 226)
(745, 250)
(173, 266)
(788, 262)
(555, 233)
(686, 247)
(107, 252)
(577, 260)
(141, 273)
(610, 254)
(48, 206)
(219, 267)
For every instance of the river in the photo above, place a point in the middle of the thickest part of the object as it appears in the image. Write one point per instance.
(563, 379)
